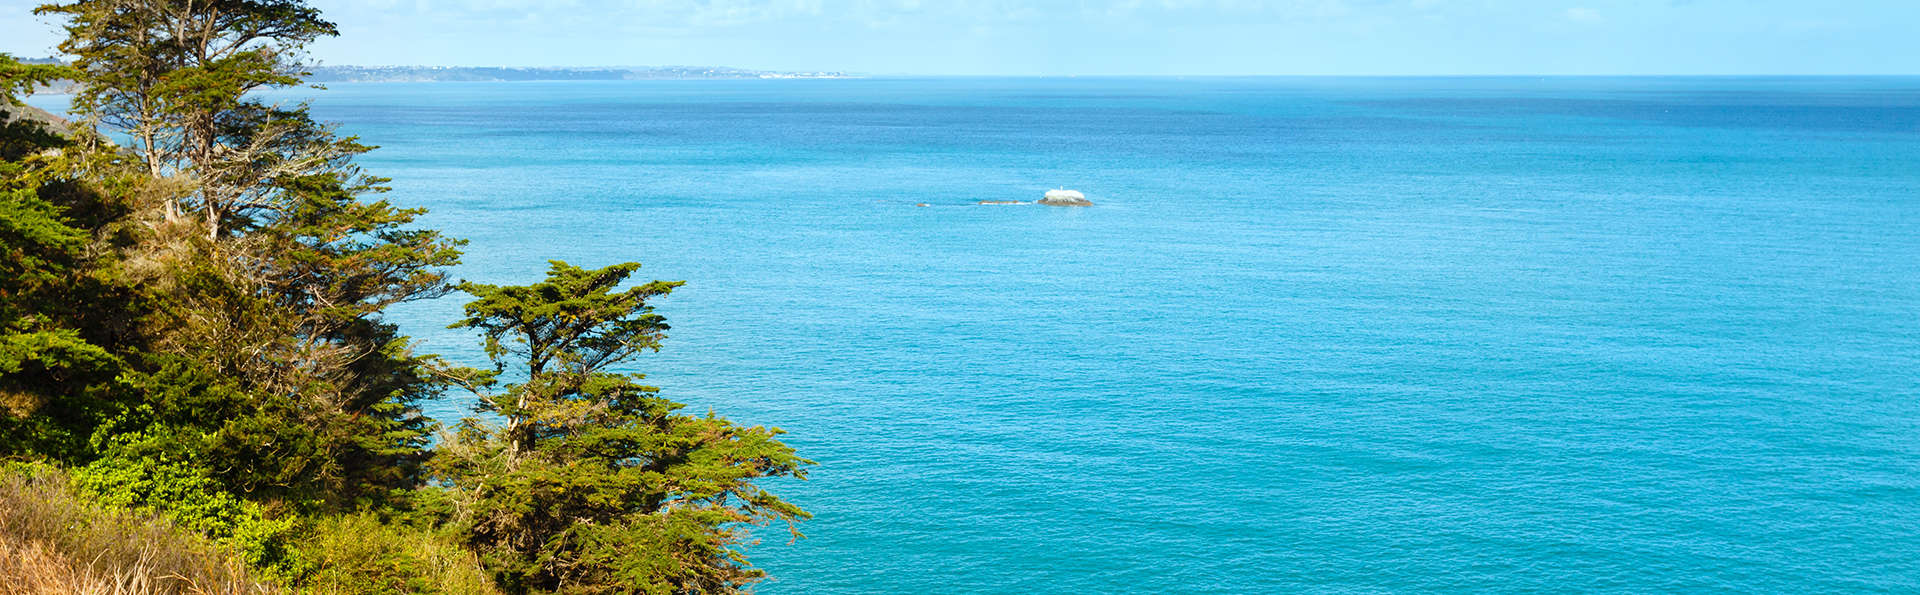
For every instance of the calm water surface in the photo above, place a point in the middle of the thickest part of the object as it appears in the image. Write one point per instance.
(1323, 335)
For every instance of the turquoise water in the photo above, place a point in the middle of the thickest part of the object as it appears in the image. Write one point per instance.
(1320, 335)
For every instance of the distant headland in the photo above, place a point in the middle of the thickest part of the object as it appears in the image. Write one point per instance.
(424, 74)
(394, 74)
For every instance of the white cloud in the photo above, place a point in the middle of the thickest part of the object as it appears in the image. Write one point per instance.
(1581, 14)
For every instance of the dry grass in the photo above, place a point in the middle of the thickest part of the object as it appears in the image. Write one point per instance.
(54, 542)
(32, 568)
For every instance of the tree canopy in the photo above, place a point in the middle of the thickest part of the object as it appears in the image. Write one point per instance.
(591, 481)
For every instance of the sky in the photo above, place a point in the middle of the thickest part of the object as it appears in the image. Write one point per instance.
(1120, 37)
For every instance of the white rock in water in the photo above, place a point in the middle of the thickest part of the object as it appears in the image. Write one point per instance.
(1066, 198)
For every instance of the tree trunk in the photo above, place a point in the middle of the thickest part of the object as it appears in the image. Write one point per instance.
(213, 222)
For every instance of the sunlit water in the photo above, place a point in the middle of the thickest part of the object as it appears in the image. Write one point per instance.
(1329, 335)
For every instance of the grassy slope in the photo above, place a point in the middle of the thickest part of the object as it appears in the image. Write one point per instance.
(52, 541)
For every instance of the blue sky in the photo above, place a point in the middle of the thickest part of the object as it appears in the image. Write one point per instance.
(1159, 37)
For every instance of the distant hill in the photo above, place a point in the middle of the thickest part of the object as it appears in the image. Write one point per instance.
(344, 74)
(29, 116)
(402, 74)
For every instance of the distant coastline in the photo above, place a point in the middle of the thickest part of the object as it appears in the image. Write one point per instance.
(416, 74)
(435, 74)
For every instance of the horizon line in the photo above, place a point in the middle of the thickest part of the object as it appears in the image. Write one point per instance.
(855, 74)
(850, 74)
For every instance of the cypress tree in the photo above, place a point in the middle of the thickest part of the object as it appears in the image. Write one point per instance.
(590, 481)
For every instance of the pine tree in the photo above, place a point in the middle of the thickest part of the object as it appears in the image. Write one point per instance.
(592, 482)
(52, 373)
(175, 76)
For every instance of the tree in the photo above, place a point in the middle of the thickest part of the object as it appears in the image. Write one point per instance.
(281, 332)
(591, 482)
(175, 75)
(261, 353)
(55, 376)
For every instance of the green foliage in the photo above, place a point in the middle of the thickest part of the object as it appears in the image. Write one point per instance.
(17, 79)
(362, 553)
(39, 347)
(269, 445)
(250, 441)
(43, 349)
(175, 76)
(47, 349)
(36, 360)
(21, 135)
(341, 554)
(272, 317)
(193, 500)
(594, 483)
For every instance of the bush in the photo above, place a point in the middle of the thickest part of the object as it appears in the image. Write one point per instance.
(193, 501)
(360, 554)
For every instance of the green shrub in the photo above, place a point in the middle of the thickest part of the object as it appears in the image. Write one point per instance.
(194, 501)
(361, 555)
(338, 554)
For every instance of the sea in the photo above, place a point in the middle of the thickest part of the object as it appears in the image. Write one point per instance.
(1315, 335)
